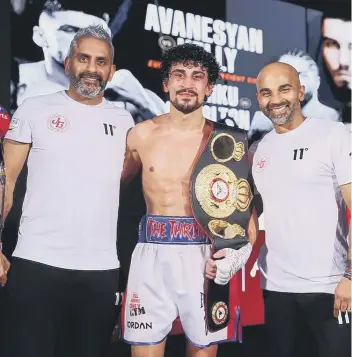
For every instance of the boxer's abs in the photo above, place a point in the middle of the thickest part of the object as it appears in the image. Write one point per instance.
(171, 198)
(167, 160)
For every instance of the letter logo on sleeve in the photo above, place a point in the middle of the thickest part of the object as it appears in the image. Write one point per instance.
(15, 123)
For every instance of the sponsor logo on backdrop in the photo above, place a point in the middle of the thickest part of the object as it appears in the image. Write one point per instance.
(165, 42)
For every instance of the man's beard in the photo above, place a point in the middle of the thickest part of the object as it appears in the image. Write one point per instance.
(281, 119)
(186, 107)
(85, 90)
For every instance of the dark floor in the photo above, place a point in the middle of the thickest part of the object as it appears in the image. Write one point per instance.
(253, 345)
(175, 346)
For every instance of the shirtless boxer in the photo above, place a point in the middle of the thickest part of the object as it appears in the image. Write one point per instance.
(166, 277)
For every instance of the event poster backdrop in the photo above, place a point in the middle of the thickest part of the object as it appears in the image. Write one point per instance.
(244, 35)
(242, 40)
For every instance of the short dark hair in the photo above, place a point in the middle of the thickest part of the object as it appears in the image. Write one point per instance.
(190, 54)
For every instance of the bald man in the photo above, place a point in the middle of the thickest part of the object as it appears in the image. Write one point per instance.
(302, 169)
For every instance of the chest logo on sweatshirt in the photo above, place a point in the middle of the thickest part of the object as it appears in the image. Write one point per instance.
(298, 154)
(58, 123)
(262, 163)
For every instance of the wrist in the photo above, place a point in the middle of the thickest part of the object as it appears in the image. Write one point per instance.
(348, 270)
(347, 276)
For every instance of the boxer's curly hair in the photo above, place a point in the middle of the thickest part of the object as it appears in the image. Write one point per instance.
(190, 54)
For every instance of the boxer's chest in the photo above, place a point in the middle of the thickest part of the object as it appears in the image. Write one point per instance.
(171, 156)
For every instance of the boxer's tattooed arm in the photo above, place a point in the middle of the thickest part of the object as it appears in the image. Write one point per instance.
(132, 162)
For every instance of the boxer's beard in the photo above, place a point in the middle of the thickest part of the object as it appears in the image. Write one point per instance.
(184, 105)
(91, 90)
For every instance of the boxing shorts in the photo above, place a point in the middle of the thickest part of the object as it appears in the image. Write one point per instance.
(166, 281)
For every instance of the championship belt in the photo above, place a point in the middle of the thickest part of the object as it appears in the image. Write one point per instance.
(221, 202)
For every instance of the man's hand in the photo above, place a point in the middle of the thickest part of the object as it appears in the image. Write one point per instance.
(342, 297)
(210, 269)
(224, 269)
(4, 268)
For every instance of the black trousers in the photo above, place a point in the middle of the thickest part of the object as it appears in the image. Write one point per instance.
(54, 312)
(303, 324)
